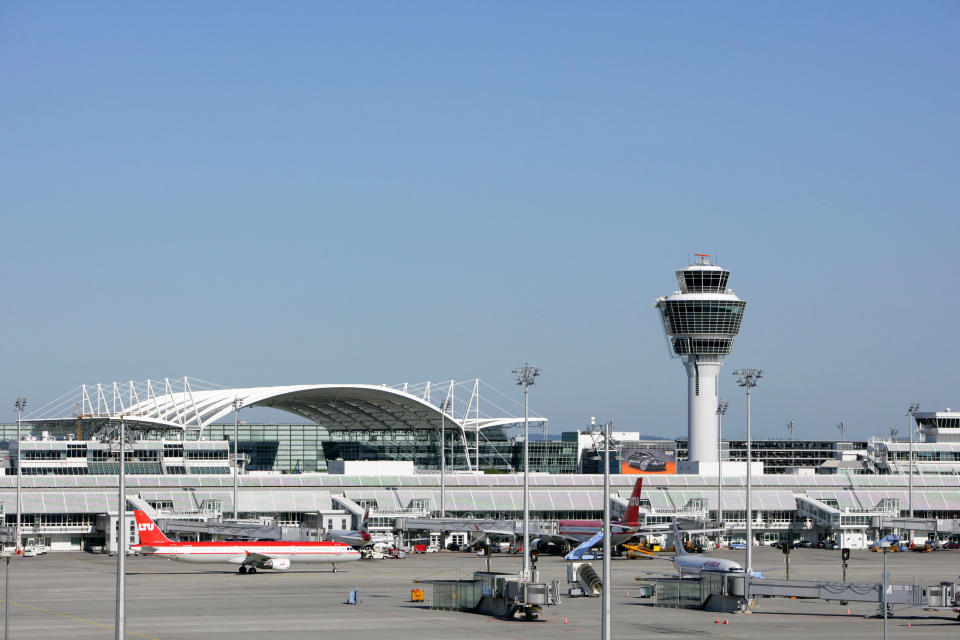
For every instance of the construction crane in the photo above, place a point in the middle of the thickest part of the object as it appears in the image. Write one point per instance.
(80, 416)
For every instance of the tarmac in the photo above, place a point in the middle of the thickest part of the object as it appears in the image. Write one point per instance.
(72, 595)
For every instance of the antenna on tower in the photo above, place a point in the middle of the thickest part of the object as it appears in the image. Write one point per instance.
(841, 428)
(791, 426)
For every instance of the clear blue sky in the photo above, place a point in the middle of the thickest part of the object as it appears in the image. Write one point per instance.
(272, 193)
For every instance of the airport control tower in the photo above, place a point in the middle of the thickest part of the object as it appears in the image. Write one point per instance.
(701, 321)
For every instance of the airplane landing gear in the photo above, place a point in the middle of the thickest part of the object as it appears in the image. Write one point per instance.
(335, 570)
(242, 569)
(252, 570)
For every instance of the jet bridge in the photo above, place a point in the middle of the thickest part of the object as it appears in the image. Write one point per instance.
(349, 505)
(229, 530)
(724, 592)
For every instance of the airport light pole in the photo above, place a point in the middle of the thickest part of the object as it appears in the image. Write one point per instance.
(911, 412)
(607, 577)
(444, 405)
(747, 378)
(721, 410)
(525, 378)
(911, 415)
(236, 460)
(883, 599)
(6, 594)
(121, 619)
(20, 404)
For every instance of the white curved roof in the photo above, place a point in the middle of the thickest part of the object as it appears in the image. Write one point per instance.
(175, 403)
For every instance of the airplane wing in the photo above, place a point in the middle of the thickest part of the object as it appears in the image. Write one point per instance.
(554, 538)
(578, 553)
(260, 558)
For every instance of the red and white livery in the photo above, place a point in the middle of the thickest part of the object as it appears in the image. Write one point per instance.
(577, 531)
(249, 556)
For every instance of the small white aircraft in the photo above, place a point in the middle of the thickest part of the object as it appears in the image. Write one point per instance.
(688, 564)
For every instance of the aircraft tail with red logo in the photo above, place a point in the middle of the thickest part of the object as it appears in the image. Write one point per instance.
(150, 533)
(365, 527)
(632, 516)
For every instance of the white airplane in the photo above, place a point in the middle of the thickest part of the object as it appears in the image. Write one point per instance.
(250, 556)
(688, 564)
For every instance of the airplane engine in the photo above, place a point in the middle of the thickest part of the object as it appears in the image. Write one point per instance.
(277, 564)
(544, 546)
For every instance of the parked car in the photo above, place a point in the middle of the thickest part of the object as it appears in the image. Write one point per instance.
(953, 544)
(806, 544)
(827, 544)
(29, 552)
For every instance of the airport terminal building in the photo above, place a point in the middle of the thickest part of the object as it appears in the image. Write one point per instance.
(383, 445)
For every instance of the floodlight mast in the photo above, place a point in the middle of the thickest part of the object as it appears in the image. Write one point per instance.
(525, 378)
(236, 460)
(19, 404)
(122, 533)
(444, 405)
(911, 419)
(607, 575)
(747, 378)
(721, 411)
(911, 416)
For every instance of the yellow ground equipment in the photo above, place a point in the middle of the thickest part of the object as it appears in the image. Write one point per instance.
(636, 551)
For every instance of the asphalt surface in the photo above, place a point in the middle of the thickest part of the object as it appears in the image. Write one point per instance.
(71, 595)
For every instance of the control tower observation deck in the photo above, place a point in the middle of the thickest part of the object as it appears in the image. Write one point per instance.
(701, 321)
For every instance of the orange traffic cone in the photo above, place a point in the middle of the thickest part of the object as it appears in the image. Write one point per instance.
(725, 621)
(717, 621)
(909, 626)
(628, 594)
(564, 619)
(848, 610)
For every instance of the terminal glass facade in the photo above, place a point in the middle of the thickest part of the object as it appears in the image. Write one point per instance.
(422, 446)
(291, 448)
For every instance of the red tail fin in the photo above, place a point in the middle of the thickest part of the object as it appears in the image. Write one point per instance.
(150, 533)
(364, 527)
(633, 507)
